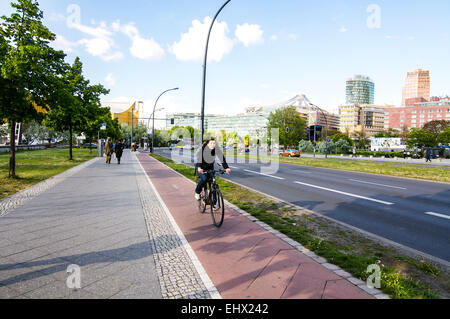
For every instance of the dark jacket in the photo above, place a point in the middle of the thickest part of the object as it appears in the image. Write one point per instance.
(119, 149)
(205, 158)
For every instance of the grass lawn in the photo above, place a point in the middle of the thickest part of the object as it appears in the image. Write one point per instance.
(436, 174)
(402, 277)
(35, 166)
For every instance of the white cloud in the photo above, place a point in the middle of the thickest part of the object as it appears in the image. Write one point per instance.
(61, 43)
(110, 79)
(343, 29)
(101, 44)
(146, 49)
(293, 36)
(274, 37)
(192, 43)
(249, 34)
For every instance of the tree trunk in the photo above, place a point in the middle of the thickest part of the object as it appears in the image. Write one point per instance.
(12, 149)
(70, 142)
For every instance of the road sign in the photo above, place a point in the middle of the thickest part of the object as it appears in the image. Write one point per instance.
(103, 128)
(287, 129)
(328, 139)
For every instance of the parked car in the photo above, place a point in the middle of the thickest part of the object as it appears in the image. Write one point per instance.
(87, 145)
(172, 146)
(290, 153)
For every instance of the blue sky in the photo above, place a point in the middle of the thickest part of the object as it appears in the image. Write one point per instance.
(262, 51)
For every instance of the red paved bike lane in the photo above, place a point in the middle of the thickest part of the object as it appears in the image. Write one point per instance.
(243, 259)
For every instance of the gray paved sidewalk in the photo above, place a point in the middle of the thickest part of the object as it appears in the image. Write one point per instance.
(96, 219)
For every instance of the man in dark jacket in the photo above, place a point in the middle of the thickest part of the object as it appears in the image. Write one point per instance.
(428, 155)
(204, 161)
(119, 150)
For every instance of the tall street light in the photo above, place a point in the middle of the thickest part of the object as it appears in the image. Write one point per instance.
(205, 61)
(153, 116)
(326, 128)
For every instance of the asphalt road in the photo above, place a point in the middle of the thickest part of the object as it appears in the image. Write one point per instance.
(413, 213)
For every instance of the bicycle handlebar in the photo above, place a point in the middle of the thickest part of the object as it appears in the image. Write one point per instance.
(221, 171)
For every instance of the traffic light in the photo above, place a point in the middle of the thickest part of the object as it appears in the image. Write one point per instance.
(172, 121)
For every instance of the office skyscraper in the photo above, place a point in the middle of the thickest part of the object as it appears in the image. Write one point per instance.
(360, 90)
(417, 86)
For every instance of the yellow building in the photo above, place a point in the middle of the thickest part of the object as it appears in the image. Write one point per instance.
(365, 118)
(125, 116)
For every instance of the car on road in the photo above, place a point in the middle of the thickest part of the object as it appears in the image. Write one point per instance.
(172, 146)
(87, 145)
(290, 153)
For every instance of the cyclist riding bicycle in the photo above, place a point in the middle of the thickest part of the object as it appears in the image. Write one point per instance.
(204, 161)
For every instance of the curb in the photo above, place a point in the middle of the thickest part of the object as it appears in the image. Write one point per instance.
(211, 288)
(378, 294)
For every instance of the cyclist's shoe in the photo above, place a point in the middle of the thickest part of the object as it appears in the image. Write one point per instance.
(197, 196)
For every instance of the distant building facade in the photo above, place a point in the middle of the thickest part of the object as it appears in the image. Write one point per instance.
(417, 86)
(360, 90)
(255, 119)
(418, 114)
(367, 118)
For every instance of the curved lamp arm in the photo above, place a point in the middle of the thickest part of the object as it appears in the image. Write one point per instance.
(205, 60)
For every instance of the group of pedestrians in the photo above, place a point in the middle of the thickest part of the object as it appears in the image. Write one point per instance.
(110, 148)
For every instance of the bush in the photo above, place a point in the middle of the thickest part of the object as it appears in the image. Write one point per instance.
(343, 147)
(327, 147)
(305, 147)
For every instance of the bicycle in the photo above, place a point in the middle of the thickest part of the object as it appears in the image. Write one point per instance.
(212, 196)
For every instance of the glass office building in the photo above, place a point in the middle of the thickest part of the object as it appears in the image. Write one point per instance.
(360, 90)
(253, 124)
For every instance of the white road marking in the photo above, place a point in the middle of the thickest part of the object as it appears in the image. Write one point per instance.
(348, 194)
(264, 174)
(233, 167)
(438, 215)
(355, 180)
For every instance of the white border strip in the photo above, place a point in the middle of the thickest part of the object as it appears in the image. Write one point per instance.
(438, 215)
(198, 266)
(347, 194)
(355, 180)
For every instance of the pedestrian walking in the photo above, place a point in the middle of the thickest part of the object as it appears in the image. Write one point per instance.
(108, 150)
(428, 155)
(119, 150)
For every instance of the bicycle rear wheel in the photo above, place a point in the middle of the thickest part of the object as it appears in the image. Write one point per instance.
(217, 208)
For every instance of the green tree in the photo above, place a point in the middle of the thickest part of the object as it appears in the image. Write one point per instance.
(287, 118)
(92, 127)
(305, 146)
(139, 132)
(74, 102)
(341, 136)
(36, 132)
(389, 133)
(420, 138)
(343, 146)
(28, 66)
(436, 127)
(326, 147)
(444, 136)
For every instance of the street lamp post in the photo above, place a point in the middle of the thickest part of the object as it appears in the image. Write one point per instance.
(205, 61)
(326, 128)
(153, 116)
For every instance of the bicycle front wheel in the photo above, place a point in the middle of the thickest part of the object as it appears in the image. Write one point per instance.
(217, 208)
(203, 202)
